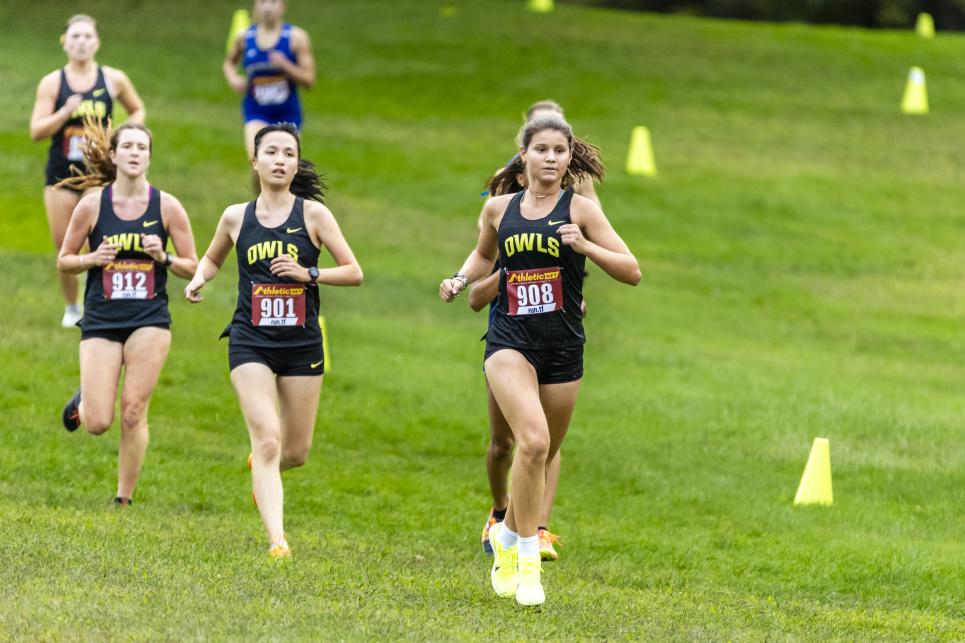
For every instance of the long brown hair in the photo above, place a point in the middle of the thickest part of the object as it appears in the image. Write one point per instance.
(307, 182)
(99, 141)
(585, 161)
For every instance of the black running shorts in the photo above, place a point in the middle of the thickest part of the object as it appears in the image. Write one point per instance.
(297, 360)
(553, 365)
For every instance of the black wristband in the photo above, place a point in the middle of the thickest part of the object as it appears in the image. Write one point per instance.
(168, 259)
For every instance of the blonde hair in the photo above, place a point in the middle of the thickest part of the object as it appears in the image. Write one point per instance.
(99, 141)
(73, 20)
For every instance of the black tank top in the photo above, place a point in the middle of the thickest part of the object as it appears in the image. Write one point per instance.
(541, 281)
(131, 291)
(272, 312)
(66, 145)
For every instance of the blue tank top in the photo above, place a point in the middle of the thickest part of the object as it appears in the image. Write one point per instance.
(268, 85)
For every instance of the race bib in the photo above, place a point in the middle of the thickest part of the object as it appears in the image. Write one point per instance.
(270, 90)
(277, 305)
(74, 143)
(129, 279)
(536, 291)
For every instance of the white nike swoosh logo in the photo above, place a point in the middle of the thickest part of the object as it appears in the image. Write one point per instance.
(317, 364)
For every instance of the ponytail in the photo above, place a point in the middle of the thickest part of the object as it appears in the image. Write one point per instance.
(99, 141)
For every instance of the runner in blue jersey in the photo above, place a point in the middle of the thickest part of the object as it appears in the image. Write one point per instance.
(541, 237)
(277, 58)
(127, 224)
(508, 179)
(64, 97)
(274, 339)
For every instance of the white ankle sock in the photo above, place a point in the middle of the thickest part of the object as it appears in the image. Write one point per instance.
(528, 546)
(507, 537)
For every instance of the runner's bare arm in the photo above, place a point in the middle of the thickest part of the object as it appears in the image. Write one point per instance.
(480, 260)
(592, 235)
(303, 70)
(483, 292)
(179, 229)
(82, 221)
(224, 239)
(127, 95)
(44, 121)
(236, 81)
(324, 230)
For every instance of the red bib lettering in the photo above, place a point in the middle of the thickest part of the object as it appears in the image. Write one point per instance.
(535, 291)
(277, 305)
(129, 279)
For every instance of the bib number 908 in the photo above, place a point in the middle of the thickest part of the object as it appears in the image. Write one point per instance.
(533, 292)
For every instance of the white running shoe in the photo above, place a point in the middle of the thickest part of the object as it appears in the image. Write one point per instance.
(70, 318)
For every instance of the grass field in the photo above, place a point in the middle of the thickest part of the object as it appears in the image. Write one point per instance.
(803, 270)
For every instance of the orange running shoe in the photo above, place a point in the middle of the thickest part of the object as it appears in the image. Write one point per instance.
(546, 540)
(486, 544)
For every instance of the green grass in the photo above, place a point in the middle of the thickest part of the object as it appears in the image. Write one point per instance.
(801, 250)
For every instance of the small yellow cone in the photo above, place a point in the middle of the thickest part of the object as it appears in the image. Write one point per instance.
(815, 487)
(640, 160)
(327, 354)
(239, 22)
(541, 6)
(925, 25)
(915, 98)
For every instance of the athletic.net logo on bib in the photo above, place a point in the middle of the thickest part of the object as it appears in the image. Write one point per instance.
(534, 291)
(129, 279)
(277, 305)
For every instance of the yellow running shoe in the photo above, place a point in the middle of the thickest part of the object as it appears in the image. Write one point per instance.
(505, 574)
(280, 550)
(530, 589)
(546, 540)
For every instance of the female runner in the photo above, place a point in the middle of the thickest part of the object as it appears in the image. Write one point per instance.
(499, 455)
(534, 348)
(277, 57)
(126, 320)
(64, 97)
(274, 341)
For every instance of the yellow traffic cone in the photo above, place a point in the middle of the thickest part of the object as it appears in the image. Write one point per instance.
(239, 22)
(915, 98)
(925, 25)
(640, 160)
(541, 6)
(815, 487)
(325, 352)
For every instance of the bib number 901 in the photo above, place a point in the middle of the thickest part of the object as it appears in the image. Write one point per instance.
(277, 305)
(533, 292)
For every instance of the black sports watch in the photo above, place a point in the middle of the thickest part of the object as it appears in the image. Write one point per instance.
(313, 274)
(461, 277)
(168, 259)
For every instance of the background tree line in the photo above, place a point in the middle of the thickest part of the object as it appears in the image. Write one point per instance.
(948, 14)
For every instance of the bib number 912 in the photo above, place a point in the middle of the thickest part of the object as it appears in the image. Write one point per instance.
(129, 279)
